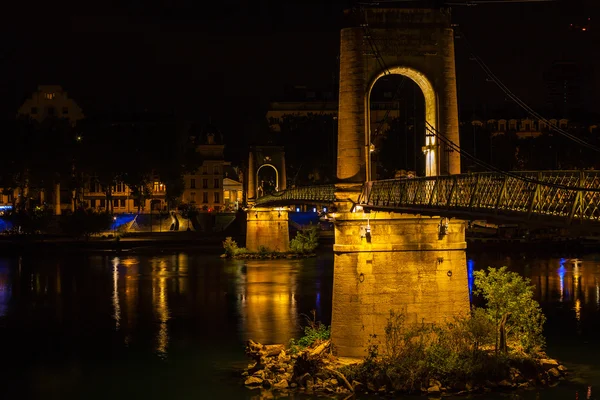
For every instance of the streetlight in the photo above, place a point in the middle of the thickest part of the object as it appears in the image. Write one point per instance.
(115, 226)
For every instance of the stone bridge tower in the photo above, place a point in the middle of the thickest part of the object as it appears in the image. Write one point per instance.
(415, 43)
(385, 261)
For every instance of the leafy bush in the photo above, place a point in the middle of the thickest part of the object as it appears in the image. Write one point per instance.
(313, 332)
(230, 246)
(84, 223)
(306, 240)
(263, 251)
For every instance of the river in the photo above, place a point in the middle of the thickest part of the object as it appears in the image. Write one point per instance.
(173, 326)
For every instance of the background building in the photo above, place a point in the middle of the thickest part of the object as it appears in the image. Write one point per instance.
(51, 101)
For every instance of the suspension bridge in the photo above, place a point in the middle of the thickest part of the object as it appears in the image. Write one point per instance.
(400, 243)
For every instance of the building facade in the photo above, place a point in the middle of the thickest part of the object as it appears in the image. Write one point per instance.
(51, 101)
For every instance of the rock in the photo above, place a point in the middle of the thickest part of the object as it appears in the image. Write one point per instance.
(253, 381)
(293, 385)
(333, 382)
(281, 385)
(245, 373)
(505, 384)
(304, 379)
(358, 387)
(524, 385)
(382, 390)
(548, 363)
(223, 256)
(433, 389)
(562, 368)
(371, 387)
(468, 386)
(491, 384)
(554, 372)
(434, 382)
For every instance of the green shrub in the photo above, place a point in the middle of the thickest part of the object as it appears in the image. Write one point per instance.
(306, 240)
(230, 246)
(263, 251)
(313, 332)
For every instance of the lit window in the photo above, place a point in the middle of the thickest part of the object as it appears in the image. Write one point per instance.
(49, 96)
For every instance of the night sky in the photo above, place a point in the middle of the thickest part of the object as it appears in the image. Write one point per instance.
(200, 58)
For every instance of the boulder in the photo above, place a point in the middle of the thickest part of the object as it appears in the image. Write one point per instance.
(554, 373)
(433, 390)
(253, 381)
(548, 363)
(358, 387)
(283, 384)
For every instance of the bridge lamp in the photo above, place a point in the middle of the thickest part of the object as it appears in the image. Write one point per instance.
(314, 209)
(297, 209)
(324, 209)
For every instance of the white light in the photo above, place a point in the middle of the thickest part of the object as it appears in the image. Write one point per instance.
(325, 209)
(314, 209)
(297, 209)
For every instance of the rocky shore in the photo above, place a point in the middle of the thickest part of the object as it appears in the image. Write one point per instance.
(315, 370)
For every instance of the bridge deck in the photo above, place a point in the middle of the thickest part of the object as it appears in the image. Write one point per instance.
(556, 197)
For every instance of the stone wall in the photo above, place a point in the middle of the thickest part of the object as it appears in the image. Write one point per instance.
(407, 267)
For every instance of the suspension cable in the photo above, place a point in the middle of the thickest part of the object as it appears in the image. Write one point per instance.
(520, 102)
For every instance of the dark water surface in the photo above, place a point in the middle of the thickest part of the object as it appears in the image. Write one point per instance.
(173, 326)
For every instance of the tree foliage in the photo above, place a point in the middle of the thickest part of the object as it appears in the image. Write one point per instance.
(512, 308)
(306, 240)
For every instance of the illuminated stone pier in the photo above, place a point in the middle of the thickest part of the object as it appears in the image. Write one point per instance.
(267, 227)
(386, 261)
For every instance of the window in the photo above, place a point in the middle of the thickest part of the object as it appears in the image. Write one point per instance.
(159, 187)
(33, 110)
(204, 170)
(65, 110)
(216, 186)
(119, 187)
(93, 203)
(50, 111)
(122, 202)
(226, 195)
(217, 197)
(205, 197)
(192, 197)
(102, 203)
(216, 170)
(49, 96)
(192, 183)
(115, 203)
(204, 183)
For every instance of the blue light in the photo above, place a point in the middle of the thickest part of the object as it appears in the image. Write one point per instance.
(324, 209)
(470, 276)
(2, 208)
(121, 219)
(297, 209)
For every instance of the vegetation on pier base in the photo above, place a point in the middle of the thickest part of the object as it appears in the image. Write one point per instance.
(499, 346)
(303, 245)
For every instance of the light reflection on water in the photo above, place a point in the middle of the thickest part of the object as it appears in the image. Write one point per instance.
(188, 312)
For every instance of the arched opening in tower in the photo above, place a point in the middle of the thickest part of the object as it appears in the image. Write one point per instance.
(267, 180)
(402, 118)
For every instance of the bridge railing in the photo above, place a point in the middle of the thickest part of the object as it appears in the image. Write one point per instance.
(573, 195)
(317, 194)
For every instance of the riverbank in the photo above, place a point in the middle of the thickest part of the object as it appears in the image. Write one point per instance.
(316, 371)
(131, 243)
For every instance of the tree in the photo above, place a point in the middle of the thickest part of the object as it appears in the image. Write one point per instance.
(510, 305)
